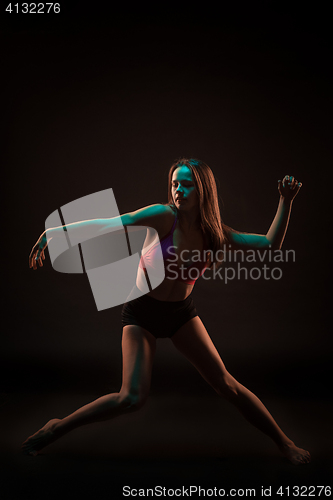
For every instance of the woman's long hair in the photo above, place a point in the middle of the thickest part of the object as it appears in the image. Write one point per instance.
(211, 222)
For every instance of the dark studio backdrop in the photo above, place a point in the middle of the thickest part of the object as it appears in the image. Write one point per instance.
(109, 99)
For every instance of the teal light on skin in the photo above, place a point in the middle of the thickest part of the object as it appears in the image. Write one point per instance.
(182, 185)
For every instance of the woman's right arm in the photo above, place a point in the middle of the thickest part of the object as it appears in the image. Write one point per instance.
(152, 216)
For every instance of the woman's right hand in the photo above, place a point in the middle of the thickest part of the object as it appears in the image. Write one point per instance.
(37, 252)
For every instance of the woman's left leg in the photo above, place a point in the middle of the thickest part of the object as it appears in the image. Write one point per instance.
(193, 341)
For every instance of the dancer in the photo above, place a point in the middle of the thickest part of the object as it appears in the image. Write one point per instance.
(188, 225)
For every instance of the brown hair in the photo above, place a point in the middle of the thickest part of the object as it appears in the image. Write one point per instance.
(205, 184)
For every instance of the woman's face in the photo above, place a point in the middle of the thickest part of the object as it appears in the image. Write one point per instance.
(183, 190)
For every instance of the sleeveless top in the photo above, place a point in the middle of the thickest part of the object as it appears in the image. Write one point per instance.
(187, 275)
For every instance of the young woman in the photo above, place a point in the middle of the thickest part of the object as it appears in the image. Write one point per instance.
(187, 226)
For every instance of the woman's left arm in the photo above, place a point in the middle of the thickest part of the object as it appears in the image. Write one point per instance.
(288, 189)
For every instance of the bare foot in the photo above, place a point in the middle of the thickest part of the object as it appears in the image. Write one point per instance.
(40, 439)
(294, 454)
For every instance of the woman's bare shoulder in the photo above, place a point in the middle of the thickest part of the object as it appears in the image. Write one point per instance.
(157, 216)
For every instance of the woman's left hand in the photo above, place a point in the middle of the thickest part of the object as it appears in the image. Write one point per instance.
(289, 187)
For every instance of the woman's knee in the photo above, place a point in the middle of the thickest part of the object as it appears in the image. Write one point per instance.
(227, 386)
(132, 400)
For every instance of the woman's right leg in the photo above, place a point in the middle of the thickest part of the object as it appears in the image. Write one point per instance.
(138, 348)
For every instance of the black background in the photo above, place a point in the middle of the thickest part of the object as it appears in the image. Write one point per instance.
(103, 97)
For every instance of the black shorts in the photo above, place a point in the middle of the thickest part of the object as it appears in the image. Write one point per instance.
(161, 318)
